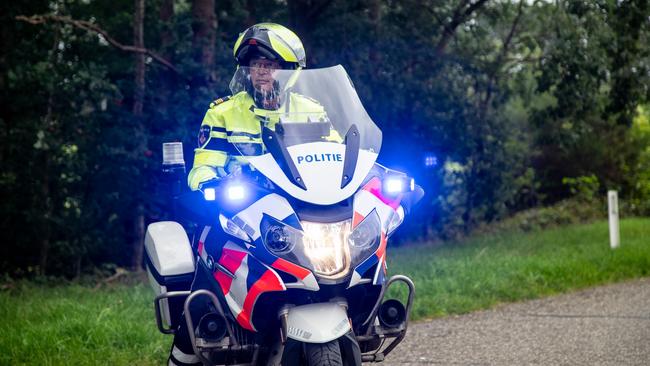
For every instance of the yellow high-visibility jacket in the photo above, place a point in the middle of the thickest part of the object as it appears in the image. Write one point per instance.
(232, 130)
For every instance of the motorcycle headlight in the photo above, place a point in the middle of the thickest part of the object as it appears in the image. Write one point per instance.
(326, 247)
(330, 250)
(367, 233)
(280, 239)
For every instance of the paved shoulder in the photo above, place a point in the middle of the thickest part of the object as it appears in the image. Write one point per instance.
(607, 325)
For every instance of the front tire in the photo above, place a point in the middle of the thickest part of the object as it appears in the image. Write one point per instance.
(324, 354)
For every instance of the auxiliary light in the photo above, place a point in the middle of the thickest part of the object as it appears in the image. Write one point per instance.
(209, 194)
(235, 192)
(398, 184)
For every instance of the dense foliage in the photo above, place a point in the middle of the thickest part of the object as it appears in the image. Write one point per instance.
(514, 103)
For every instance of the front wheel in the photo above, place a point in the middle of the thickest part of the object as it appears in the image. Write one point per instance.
(324, 354)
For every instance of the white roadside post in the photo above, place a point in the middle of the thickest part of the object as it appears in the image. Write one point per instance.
(614, 233)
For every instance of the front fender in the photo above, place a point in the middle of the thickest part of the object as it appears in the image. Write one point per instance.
(317, 323)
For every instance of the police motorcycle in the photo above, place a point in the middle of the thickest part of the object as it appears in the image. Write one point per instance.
(295, 272)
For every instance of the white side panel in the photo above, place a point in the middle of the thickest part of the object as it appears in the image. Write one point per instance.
(317, 323)
(169, 248)
(320, 164)
(307, 283)
(365, 202)
(272, 204)
(164, 303)
(356, 278)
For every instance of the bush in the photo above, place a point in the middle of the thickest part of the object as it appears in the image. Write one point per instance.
(638, 203)
(575, 210)
(583, 188)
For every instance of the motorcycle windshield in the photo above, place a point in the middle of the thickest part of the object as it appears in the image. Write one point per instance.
(311, 105)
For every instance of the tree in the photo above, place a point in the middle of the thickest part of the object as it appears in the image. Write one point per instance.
(138, 102)
(508, 97)
(303, 15)
(588, 70)
(204, 28)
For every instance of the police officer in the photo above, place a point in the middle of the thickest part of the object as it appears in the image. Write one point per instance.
(232, 126)
(231, 129)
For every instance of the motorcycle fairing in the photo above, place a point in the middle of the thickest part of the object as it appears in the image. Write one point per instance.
(203, 253)
(250, 220)
(320, 165)
(317, 323)
(379, 259)
(306, 279)
(251, 279)
(371, 199)
(273, 205)
(251, 276)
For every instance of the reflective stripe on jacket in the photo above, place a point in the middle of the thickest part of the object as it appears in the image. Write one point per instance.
(235, 127)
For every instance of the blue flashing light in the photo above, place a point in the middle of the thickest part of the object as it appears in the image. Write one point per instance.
(430, 160)
(235, 192)
(394, 185)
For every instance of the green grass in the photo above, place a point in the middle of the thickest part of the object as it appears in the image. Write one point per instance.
(483, 271)
(78, 325)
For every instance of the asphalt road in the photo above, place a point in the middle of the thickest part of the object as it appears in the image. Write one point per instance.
(607, 325)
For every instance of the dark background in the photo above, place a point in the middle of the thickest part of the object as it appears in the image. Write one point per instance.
(513, 104)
